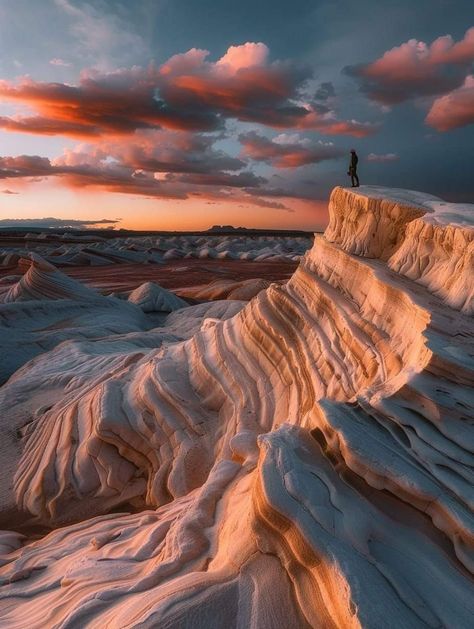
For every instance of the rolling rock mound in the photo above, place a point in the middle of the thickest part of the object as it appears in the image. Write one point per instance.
(306, 462)
(153, 298)
(46, 307)
(156, 249)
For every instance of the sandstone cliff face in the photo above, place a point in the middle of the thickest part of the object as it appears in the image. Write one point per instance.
(305, 460)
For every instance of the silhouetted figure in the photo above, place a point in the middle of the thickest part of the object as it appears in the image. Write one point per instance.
(353, 169)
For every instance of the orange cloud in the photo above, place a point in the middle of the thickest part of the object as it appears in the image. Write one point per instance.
(187, 92)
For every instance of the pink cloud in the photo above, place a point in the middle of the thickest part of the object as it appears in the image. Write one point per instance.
(416, 69)
(246, 56)
(453, 110)
(444, 50)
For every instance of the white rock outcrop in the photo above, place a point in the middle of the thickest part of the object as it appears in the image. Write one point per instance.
(42, 281)
(97, 251)
(307, 462)
(151, 297)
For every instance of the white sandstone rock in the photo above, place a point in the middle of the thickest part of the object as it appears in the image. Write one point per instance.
(151, 297)
(304, 460)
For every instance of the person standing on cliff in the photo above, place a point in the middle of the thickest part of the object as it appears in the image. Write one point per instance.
(353, 169)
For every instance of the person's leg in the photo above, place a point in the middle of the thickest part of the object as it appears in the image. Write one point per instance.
(352, 180)
(357, 180)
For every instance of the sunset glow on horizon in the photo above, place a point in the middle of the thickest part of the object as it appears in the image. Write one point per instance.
(103, 117)
(137, 213)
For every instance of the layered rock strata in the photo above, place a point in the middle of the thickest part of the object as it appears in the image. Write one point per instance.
(306, 462)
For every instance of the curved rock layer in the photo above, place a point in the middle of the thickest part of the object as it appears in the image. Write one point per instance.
(227, 289)
(42, 281)
(307, 462)
(420, 236)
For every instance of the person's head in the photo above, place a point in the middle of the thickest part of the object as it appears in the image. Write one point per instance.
(352, 150)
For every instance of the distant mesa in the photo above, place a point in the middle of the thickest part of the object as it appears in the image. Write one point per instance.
(226, 228)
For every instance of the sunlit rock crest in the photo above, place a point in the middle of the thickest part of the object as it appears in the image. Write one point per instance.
(306, 462)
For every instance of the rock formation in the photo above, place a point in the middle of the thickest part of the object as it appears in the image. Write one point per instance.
(155, 249)
(153, 298)
(302, 460)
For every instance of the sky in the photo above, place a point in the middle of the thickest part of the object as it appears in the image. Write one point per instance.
(183, 114)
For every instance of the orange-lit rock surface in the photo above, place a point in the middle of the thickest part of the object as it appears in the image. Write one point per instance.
(302, 459)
